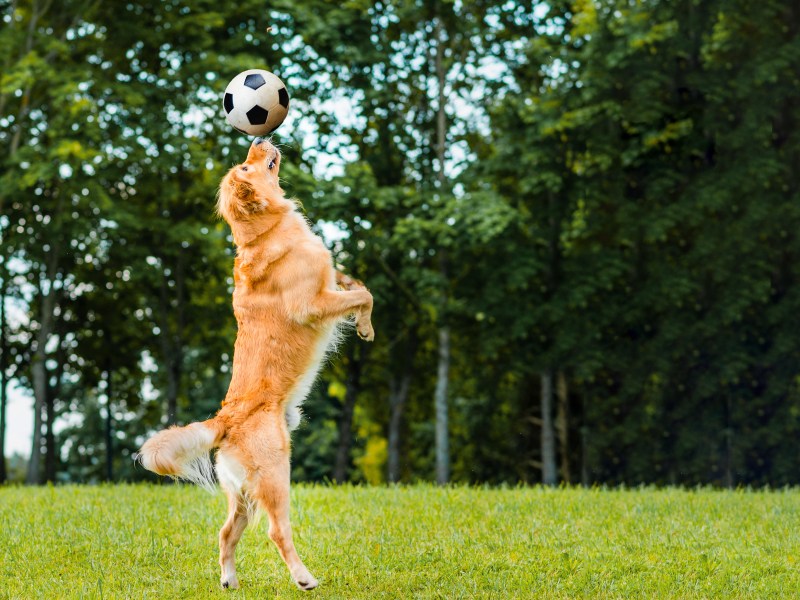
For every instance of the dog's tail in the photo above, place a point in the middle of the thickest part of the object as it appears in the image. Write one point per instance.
(183, 452)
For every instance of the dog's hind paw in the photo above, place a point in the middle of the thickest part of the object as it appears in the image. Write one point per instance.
(304, 580)
(307, 584)
(231, 583)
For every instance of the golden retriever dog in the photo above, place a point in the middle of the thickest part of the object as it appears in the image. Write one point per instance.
(288, 301)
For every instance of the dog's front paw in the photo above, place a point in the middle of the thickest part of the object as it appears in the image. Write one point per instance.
(230, 583)
(365, 331)
(349, 283)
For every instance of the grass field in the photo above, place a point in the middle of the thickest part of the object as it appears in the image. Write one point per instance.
(407, 542)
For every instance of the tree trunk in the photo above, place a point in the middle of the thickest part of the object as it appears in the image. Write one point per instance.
(173, 378)
(346, 420)
(440, 401)
(398, 395)
(728, 444)
(171, 342)
(562, 425)
(38, 371)
(549, 470)
(53, 394)
(585, 480)
(35, 462)
(585, 477)
(49, 439)
(109, 429)
(443, 367)
(39, 376)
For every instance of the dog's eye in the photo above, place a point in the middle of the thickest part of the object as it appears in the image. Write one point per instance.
(244, 168)
(271, 165)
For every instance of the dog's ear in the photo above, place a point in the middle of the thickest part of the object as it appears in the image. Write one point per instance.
(245, 197)
(247, 201)
(244, 192)
(238, 199)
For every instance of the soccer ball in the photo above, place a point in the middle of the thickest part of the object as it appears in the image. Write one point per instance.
(255, 102)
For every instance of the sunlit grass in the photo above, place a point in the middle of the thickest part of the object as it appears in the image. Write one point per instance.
(408, 542)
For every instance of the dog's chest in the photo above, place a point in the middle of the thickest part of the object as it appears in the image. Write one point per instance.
(326, 342)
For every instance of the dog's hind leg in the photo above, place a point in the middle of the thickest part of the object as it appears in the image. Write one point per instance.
(231, 476)
(229, 536)
(271, 490)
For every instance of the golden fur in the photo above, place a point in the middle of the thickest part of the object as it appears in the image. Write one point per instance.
(287, 307)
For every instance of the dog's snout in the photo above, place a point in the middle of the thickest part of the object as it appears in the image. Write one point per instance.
(262, 149)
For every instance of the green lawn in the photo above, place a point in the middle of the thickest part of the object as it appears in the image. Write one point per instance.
(408, 542)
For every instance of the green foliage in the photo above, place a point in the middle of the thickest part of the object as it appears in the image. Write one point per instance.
(619, 207)
(654, 170)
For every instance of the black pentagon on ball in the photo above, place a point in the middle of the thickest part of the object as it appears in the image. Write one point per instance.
(283, 97)
(228, 102)
(254, 81)
(257, 115)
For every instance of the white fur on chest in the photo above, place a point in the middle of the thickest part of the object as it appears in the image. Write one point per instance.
(327, 342)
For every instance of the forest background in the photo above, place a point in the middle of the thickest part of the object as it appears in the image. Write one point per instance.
(579, 221)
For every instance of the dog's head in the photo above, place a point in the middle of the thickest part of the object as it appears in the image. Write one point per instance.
(252, 188)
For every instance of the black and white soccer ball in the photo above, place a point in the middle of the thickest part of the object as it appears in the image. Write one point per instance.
(256, 102)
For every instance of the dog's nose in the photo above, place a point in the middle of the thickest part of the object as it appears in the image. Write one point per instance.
(257, 141)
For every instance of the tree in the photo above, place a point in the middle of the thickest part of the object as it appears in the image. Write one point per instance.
(625, 131)
(576, 219)
(139, 166)
(46, 206)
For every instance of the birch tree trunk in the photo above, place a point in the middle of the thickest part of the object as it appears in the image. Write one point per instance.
(440, 398)
(443, 367)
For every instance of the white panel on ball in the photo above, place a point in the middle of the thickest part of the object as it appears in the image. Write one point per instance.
(256, 102)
